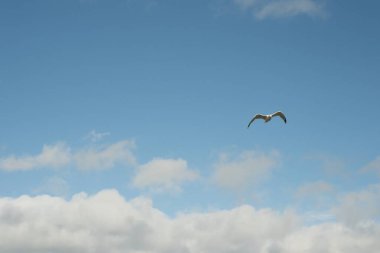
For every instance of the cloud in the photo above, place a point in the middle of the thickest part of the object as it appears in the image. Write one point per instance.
(55, 186)
(330, 238)
(332, 166)
(359, 208)
(317, 198)
(51, 156)
(245, 4)
(314, 188)
(373, 166)
(163, 175)
(106, 222)
(106, 157)
(60, 155)
(94, 136)
(281, 8)
(2, 147)
(318, 217)
(247, 169)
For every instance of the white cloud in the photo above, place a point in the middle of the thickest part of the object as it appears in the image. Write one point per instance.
(247, 169)
(281, 8)
(106, 157)
(318, 217)
(60, 155)
(51, 156)
(163, 175)
(287, 8)
(105, 222)
(330, 238)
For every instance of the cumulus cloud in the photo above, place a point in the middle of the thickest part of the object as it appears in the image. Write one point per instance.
(106, 222)
(60, 155)
(247, 169)
(163, 175)
(281, 8)
(51, 156)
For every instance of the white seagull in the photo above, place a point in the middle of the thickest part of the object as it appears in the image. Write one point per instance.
(268, 117)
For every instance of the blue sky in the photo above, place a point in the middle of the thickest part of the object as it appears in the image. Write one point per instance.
(150, 100)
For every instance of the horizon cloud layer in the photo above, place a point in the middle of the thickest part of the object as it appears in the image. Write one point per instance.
(106, 222)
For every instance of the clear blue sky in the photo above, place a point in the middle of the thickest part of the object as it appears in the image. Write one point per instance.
(152, 98)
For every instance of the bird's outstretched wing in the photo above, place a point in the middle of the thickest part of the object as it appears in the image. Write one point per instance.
(280, 114)
(257, 116)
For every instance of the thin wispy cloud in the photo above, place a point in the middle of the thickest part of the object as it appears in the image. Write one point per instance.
(2, 147)
(316, 197)
(329, 164)
(87, 1)
(95, 136)
(314, 188)
(246, 169)
(263, 9)
(373, 166)
(318, 217)
(164, 175)
(60, 155)
(55, 186)
(106, 157)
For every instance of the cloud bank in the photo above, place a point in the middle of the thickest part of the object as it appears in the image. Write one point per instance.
(106, 222)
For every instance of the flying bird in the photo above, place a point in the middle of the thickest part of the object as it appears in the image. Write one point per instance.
(268, 117)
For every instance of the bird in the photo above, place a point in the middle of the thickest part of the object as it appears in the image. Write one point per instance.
(268, 117)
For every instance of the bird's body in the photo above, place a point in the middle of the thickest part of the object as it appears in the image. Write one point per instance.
(268, 117)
